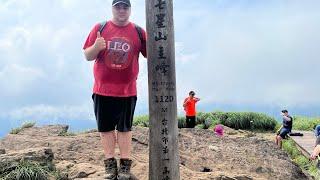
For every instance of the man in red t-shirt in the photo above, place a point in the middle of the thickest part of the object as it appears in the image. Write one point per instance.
(116, 52)
(189, 105)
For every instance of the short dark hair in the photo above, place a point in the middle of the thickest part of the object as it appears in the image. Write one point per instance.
(284, 111)
(192, 93)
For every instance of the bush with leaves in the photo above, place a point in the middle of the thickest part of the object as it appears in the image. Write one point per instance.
(305, 123)
(181, 122)
(142, 121)
(236, 120)
(248, 121)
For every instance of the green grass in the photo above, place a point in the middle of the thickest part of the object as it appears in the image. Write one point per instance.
(142, 121)
(296, 156)
(305, 123)
(237, 120)
(23, 126)
(28, 125)
(66, 133)
(200, 126)
(181, 122)
(29, 170)
(209, 120)
(24, 170)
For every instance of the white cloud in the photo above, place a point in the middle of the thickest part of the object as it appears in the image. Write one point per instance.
(68, 4)
(16, 79)
(182, 56)
(47, 112)
(228, 52)
(16, 40)
(244, 51)
(19, 5)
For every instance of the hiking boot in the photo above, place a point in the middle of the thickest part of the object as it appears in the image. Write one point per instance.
(111, 169)
(124, 171)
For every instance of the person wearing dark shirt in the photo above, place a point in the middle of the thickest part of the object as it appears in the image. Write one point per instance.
(317, 130)
(286, 127)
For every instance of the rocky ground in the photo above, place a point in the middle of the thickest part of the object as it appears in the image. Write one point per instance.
(238, 155)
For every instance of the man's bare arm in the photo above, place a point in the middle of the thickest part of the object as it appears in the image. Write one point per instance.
(92, 52)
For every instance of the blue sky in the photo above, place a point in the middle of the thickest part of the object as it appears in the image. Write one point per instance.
(244, 53)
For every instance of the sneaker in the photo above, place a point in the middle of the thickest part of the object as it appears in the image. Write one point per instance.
(124, 171)
(111, 169)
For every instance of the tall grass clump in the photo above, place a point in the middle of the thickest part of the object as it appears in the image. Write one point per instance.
(236, 120)
(247, 120)
(206, 120)
(181, 122)
(24, 170)
(142, 121)
(66, 133)
(23, 126)
(305, 123)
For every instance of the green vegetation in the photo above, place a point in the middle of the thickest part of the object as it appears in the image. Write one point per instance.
(305, 123)
(142, 121)
(24, 125)
(181, 122)
(248, 121)
(297, 157)
(26, 170)
(236, 120)
(66, 133)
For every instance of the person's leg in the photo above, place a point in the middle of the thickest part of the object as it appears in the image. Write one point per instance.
(282, 135)
(108, 141)
(124, 142)
(279, 141)
(105, 117)
(125, 137)
(188, 125)
(193, 121)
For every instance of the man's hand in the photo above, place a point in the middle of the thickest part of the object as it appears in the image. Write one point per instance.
(100, 43)
(313, 156)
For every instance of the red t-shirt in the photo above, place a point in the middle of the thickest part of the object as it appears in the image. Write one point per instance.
(190, 106)
(116, 68)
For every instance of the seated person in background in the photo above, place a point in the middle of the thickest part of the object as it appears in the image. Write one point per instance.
(317, 130)
(286, 127)
(218, 130)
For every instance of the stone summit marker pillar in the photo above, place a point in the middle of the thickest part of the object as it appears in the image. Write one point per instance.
(163, 147)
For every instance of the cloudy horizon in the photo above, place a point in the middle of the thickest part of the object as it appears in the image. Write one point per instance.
(250, 53)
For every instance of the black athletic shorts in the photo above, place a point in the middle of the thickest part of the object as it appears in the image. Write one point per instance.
(114, 112)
